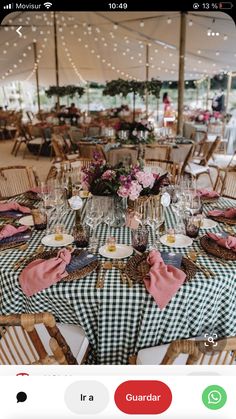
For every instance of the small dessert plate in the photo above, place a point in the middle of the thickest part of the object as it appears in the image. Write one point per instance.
(208, 223)
(180, 241)
(50, 240)
(122, 251)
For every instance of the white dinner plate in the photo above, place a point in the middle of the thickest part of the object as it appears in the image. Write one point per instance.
(50, 241)
(122, 251)
(180, 241)
(208, 223)
(26, 221)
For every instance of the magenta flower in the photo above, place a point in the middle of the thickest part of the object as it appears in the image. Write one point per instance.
(109, 175)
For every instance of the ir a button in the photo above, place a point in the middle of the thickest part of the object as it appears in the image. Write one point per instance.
(86, 397)
(143, 397)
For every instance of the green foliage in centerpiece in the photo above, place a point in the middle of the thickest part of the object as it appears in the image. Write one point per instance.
(132, 182)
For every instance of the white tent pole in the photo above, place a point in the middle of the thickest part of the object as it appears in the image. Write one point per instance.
(36, 73)
(208, 90)
(229, 82)
(182, 44)
(147, 79)
(56, 55)
(88, 98)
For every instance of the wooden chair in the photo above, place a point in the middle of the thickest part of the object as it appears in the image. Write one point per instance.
(57, 168)
(156, 152)
(126, 156)
(228, 188)
(76, 135)
(87, 150)
(189, 352)
(93, 131)
(165, 166)
(196, 170)
(60, 148)
(33, 339)
(15, 180)
(21, 137)
(35, 136)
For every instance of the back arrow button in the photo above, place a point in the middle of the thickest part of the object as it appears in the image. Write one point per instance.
(19, 31)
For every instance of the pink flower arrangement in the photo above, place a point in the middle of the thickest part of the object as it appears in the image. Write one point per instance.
(102, 179)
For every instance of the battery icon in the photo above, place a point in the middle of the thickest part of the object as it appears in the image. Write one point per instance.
(226, 5)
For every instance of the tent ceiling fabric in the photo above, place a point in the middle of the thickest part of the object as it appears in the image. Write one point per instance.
(100, 46)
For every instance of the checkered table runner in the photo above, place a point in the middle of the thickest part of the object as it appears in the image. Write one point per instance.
(119, 320)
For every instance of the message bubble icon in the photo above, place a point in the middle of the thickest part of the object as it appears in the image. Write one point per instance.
(21, 397)
(214, 397)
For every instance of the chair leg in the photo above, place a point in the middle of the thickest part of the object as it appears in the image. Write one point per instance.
(17, 148)
(14, 147)
(40, 149)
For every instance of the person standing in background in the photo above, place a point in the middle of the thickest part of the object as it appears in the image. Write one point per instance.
(166, 101)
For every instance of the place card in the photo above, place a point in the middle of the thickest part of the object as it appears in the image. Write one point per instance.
(174, 259)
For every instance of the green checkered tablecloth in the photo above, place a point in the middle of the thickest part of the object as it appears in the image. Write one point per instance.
(119, 320)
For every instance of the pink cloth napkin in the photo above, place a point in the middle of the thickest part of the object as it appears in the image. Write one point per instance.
(41, 273)
(206, 193)
(14, 206)
(227, 242)
(229, 213)
(163, 281)
(9, 230)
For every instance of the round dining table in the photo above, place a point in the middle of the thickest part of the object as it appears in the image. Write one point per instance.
(121, 318)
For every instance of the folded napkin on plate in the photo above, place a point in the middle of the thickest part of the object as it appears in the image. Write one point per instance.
(41, 273)
(227, 242)
(206, 193)
(14, 206)
(229, 213)
(163, 281)
(8, 230)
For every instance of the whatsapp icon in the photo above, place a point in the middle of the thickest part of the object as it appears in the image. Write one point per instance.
(214, 397)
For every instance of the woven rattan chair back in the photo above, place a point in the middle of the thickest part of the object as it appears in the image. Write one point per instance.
(157, 152)
(162, 166)
(126, 156)
(20, 342)
(198, 353)
(94, 131)
(58, 145)
(229, 183)
(76, 135)
(15, 180)
(210, 152)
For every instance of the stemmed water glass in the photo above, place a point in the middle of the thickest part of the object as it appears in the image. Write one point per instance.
(154, 219)
(93, 218)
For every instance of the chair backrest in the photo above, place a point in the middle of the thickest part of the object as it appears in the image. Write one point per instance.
(15, 180)
(21, 344)
(157, 151)
(198, 353)
(58, 144)
(126, 156)
(229, 183)
(165, 166)
(213, 147)
(87, 150)
(93, 131)
(76, 135)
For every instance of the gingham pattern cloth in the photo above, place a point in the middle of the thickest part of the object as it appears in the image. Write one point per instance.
(119, 320)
